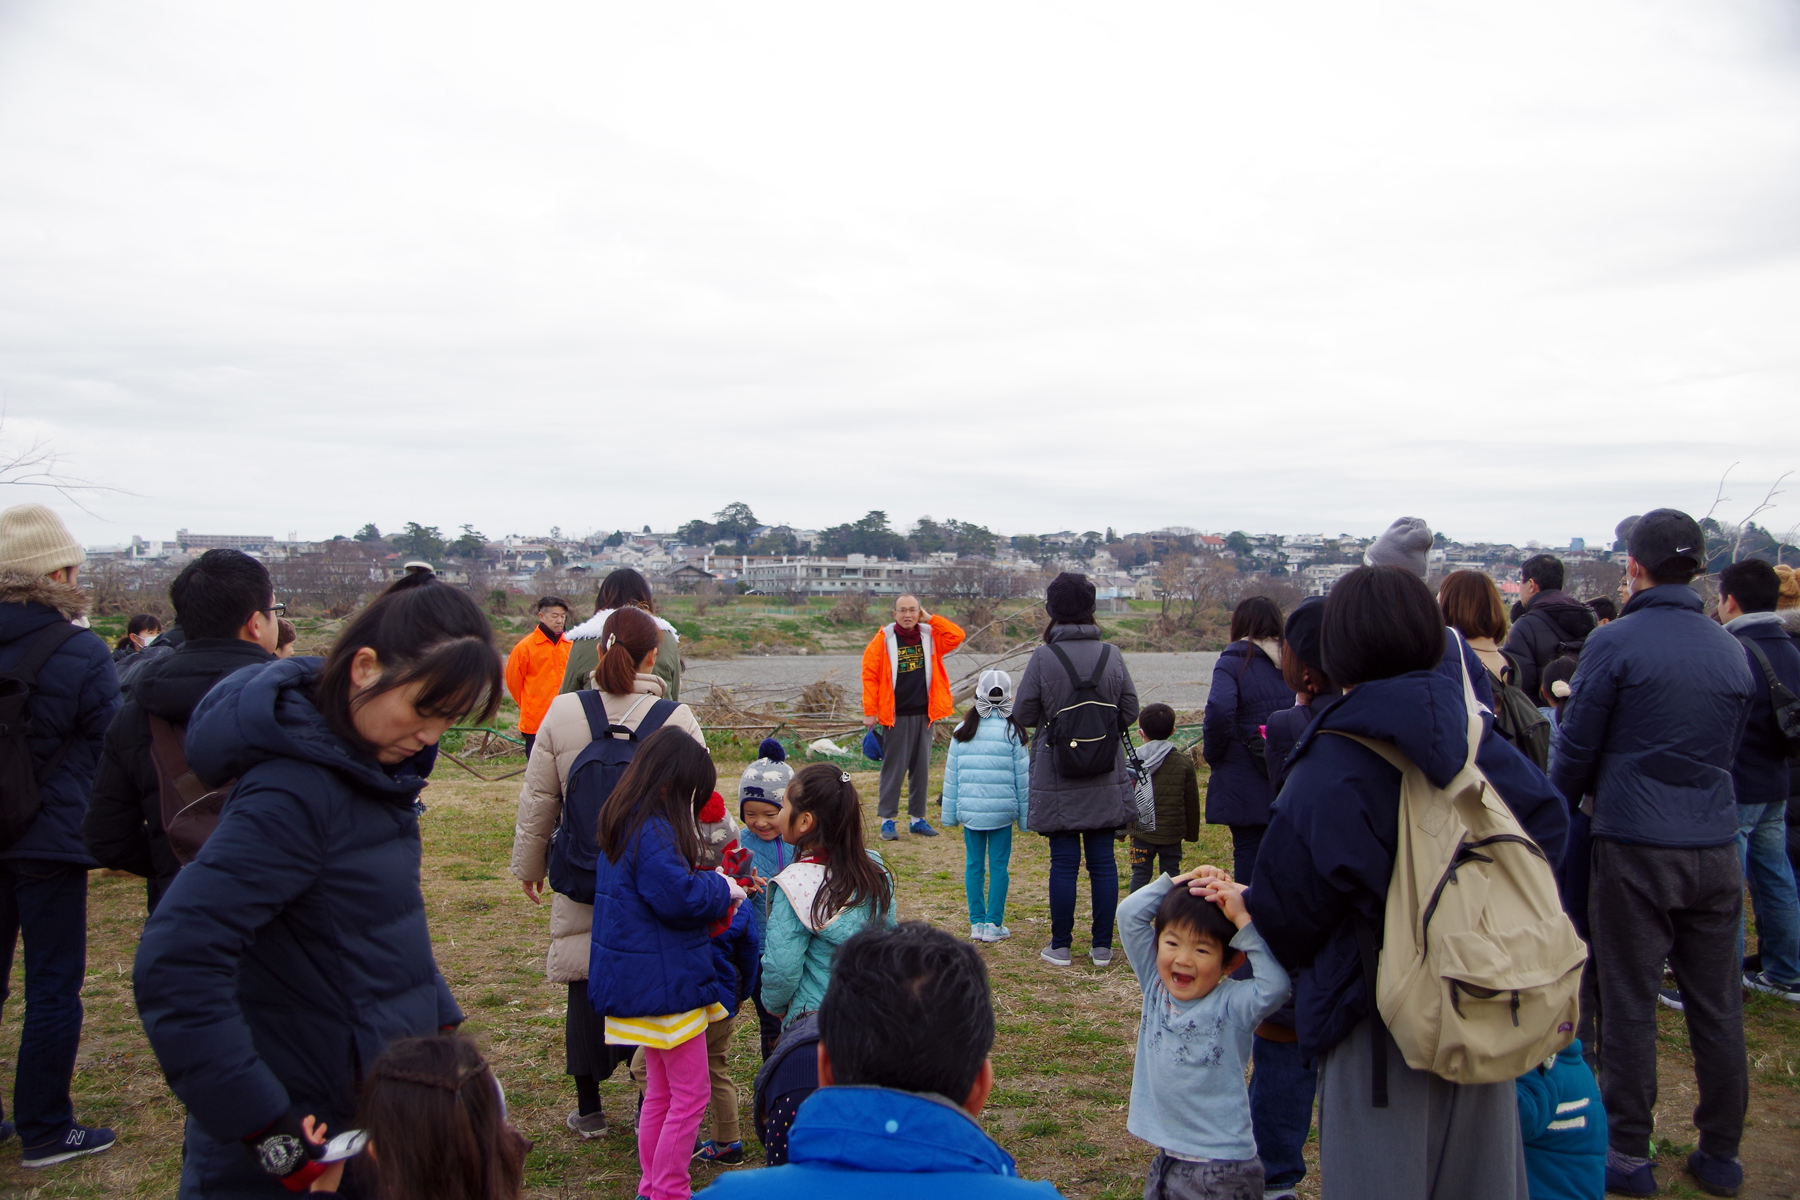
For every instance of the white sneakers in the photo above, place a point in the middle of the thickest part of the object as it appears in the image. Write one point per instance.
(989, 932)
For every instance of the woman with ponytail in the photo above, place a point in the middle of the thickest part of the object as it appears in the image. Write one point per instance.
(629, 689)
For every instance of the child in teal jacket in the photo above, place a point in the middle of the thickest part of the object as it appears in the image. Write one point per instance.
(987, 790)
(1563, 1123)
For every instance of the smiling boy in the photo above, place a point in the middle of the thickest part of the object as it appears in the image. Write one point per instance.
(1188, 1097)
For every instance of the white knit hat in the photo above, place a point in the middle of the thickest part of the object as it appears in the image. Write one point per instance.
(34, 540)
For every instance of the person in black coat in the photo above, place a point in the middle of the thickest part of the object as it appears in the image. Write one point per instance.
(225, 600)
(1246, 687)
(294, 948)
(1551, 625)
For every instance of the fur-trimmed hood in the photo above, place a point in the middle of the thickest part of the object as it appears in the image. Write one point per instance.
(18, 587)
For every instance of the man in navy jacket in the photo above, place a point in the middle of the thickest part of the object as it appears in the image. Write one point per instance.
(43, 874)
(1647, 739)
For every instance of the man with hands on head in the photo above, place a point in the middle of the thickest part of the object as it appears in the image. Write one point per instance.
(905, 689)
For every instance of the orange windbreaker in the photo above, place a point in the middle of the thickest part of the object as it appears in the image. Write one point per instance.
(941, 636)
(534, 675)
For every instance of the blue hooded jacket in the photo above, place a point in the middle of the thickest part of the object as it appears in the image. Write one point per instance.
(294, 948)
(650, 955)
(987, 779)
(1246, 688)
(1652, 723)
(1329, 850)
(879, 1144)
(1563, 1123)
(77, 695)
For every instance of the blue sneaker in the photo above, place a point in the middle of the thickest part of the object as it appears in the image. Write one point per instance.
(921, 828)
(721, 1154)
(79, 1140)
(888, 833)
(1716, 1176)
(1638, 1182)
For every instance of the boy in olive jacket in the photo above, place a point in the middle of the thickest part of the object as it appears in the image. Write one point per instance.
(1177, 800)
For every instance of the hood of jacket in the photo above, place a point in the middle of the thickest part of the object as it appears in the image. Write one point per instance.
(1421, 714)
(590, 629)
(171, 687)
(880, 1129)
(1575, 619)
(268, 713)
(21, 587)
(1073, 633)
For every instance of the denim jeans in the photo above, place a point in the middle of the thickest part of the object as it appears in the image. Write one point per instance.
(1281, 1104)
(46, 902)
(1066, 850)
(987, 873)
(1762, 842)
(1147, 859)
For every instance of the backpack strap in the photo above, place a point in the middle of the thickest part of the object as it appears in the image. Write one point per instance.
(653, 720)
(1371, 964)
(593, 707)
(1062, 657)
(1075, 678)
(1776, 687)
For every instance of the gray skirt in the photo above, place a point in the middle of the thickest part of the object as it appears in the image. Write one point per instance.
(1436, 1140)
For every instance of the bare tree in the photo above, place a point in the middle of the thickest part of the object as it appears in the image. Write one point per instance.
(1768, 502)
(1720, 497)
(333, 579)
(39, 465)
(976, 591)
(1587, 580)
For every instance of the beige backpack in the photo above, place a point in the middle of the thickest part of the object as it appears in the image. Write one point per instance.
(1480, 967)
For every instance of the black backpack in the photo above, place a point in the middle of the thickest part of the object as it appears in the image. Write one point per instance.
(575, 846)
(1518, 720)
(20, 779)
(1084, 733)
(1785, 703)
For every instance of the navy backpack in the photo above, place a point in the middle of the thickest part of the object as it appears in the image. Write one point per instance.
(575, 847)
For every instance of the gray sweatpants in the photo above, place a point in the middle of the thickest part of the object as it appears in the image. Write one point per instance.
(1436, 1140)
(1214, 1179)
(1648, 904)
(905, 752)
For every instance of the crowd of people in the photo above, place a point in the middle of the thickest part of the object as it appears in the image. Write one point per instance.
(1472, 852)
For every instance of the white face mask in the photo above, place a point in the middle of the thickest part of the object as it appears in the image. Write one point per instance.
(144, 640)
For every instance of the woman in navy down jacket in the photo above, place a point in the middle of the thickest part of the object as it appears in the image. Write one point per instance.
(1246, 687)
(293, 949)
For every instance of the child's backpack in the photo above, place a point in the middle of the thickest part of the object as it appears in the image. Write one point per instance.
(575, 846)
(1084, 733)
(20, 778)
(791, 1072)
(190, 809)
(1479, 967)
(1520, 722)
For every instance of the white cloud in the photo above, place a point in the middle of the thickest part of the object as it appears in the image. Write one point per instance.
(1520, 271)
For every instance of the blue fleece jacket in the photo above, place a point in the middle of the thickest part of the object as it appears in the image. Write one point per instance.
(1563, 1123)
(880, 1144)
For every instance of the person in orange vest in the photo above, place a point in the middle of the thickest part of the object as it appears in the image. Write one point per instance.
(534, 669)
(905, 689)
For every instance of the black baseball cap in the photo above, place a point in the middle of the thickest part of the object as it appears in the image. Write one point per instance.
(1663, 535)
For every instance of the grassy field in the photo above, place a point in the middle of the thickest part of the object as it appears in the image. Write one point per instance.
(1062, 1057)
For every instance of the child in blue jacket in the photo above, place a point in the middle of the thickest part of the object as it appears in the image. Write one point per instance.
(737, 956)
(987, 791)
(761, 792)
(1563, 1123)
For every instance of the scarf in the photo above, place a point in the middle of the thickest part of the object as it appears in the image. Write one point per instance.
(1152, 754)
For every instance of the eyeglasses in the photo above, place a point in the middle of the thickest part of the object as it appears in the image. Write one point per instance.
(277, 609)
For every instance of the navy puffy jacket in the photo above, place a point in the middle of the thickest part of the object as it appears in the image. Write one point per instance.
(650, 955)
(1329, 850)
(1760, 774)
(737, 957)
(1246, 687)
(294, 947)
(1652, 723)
(77, 693)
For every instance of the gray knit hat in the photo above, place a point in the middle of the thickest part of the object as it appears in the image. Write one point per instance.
(1407, 543)
(767, 778)
(33, 540)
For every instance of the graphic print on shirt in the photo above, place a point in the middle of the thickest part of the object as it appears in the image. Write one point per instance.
(912, 658)
(1187, 1038)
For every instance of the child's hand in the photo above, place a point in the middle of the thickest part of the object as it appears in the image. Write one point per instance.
(1228, 896)
(1196, 880)
(329, 1179)
(737, 893)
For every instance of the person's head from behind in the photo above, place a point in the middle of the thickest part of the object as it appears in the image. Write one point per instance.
(670, 779)
(286, 637)
(418, 659)
(226, 594)
(1750, 586)
(1069, 600)
(908, 1008)
(34, 541)
(1540, 573)
(1156, 722)
(907, 610)
(628, 646)
(552, 612)
(1789, 595)
(993, 699)
(1302, 665)
(1605, 609)
(1664, 546)
(1193, 945)
(624, 588)
(1553, 685)
(1471, 605)
(1256, 618)
(140, 631)
(436, 1123)
(1380, 622)
(823, 817)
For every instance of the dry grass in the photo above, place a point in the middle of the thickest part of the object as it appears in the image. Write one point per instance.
(1062, 1056)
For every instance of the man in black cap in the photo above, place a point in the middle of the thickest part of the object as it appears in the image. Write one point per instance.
(1646, 743)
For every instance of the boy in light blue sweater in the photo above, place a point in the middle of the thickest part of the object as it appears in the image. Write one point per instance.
(1188, 1097)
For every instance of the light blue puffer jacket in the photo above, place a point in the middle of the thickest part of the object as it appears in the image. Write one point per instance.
(987, 779)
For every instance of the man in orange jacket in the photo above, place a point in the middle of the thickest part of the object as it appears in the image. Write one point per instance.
(905, 688)
(534, 669)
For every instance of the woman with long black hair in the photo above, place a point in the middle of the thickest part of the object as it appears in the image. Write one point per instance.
(286, 957)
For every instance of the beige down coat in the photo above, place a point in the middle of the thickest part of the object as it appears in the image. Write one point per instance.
(562, 736)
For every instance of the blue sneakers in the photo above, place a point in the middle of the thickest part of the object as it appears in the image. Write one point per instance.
(921, 828)
(79, 1140)
(888, 832)
(1716, 1176)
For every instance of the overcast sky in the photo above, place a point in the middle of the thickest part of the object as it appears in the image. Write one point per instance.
(1518, 269)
